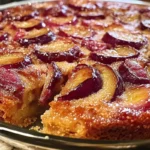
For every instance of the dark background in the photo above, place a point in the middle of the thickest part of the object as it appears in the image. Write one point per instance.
(7, 1)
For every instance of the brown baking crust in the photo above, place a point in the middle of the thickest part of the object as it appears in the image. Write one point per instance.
(99, 121)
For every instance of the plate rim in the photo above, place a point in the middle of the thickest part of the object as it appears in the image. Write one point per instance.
(13, 4)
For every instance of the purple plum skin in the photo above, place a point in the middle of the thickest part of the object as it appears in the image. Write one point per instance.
(38, 26)
(108, 38)
(48, 91)
(145, 25)
(85, 89)
(120, 87)
(4, 37)
(27, 61)
(43, 39)
(27, 17)
(69, 56)
(109, 59)
(128, 76)
(10, 81)
(98, 15)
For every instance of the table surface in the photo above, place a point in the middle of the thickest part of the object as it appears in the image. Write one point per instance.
(4, 146)
(11, 144)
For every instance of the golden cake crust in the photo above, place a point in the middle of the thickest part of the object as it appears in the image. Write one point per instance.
(101, 121)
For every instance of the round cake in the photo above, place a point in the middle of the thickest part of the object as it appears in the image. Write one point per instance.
(83, 67)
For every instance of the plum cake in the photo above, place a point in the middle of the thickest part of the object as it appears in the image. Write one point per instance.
(83, 67)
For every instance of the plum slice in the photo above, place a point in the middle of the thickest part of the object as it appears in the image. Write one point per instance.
(81, 5)
(25, 13)
(91, 14)
(3, 36)
(130, 17)
(132, 71)
(14, 56)
(58, 11)
(11, 58)
(19, 34)
(98, 22)
(117, 6)
(145, 24)
(93, 45)
(137, 98)
(33, 77)
(58, 50)
(20, 13)
(76, 32)
(52, 84)
(109, 77)
(59, 21)
(145, 21)
(23, 63)
(84, 81)
(119, 53)
(147, 67)
(124, 38)
(28, 16)
(10, 81)
(30, 24)
(82, 84)
(41, 36)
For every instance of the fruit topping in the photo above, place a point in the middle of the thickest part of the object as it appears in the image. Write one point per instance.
(84, 81)
(145, 21)
(112, 83)
(24, 14)
(25, 62)
(10, 81)
(30, 24)
(147, 67)
(10, 58)
(119, 53)
(117, 6)
(3, 36)
(93, 45)
(59, 21)
(76, 31)
(145, 24)
(132, 71)
(129, 18)
(29, 16)
(58, 50)
(66, 68)
(13, 48)
(52, 84)
(137, 97)
(41, 36)
(58, 11)
(33, 76)
(98, 22)
(91, 14)
(81, 5)
(125, 38)
(19, 34)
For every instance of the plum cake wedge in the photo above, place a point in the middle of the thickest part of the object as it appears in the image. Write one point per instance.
(22, 94)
